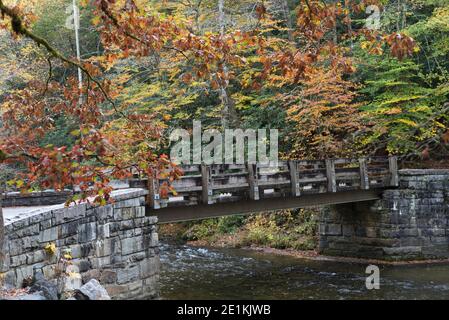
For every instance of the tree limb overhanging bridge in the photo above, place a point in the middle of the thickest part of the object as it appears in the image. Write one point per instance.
(207, 191)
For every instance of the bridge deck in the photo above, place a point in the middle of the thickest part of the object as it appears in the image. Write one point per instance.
(218, 190)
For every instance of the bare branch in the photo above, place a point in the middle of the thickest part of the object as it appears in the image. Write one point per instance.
(50, 68)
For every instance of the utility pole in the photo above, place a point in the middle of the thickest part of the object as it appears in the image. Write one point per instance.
(76, 25)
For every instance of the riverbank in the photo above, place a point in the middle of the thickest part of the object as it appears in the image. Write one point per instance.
(286, 233)
(286, 229)
(314, 255)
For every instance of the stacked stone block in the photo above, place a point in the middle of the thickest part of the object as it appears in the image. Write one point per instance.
(116, 244)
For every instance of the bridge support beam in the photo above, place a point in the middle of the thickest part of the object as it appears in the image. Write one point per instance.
(204, 211)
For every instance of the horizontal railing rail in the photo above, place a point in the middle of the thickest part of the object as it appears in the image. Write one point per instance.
(213, 184)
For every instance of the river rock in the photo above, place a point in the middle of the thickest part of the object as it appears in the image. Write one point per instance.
(73, 279)
(32, 296)
(92, 290)
(47, 288)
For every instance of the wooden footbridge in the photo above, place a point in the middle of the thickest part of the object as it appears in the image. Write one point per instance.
(206, 191)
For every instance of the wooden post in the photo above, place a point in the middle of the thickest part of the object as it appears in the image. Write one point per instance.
(206, 184)
(330, 173)
(364, 178)
(294, 178)
(252, 181)
(393, 166)
(153, 198)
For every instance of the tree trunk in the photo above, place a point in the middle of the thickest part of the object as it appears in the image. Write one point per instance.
(334, 29)
(404, 15)
(221, 17)
(229, 114)
(350, 31)
(399, 14)
(288, 19)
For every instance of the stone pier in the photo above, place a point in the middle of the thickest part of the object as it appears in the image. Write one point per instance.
(408, 223)
(116, 244)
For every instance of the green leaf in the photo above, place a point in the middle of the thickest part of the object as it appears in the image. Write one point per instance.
(75, 133)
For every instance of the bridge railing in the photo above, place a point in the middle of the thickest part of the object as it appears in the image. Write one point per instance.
(211, 184)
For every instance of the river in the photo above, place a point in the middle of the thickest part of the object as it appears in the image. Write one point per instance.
(204, 273)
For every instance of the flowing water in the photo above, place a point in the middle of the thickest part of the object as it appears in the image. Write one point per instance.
(204, 273)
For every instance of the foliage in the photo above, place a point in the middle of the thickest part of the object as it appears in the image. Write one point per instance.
(399, 111)
(213, 227)
(50, 249)
(281, 230)
(404, 102)
(325, 116)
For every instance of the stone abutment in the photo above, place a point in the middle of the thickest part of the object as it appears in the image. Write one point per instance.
(408, 223)
(116, 244)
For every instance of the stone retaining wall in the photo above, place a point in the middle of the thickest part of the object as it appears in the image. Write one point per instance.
(411, 222)
(44, 198)
(116, 244)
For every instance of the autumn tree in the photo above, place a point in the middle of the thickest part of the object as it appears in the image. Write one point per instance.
(108, 131)
(112, 135)
(323, 105)
(325, 116)
(404, 102)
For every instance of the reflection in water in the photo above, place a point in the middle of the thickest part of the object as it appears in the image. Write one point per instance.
(199, 273)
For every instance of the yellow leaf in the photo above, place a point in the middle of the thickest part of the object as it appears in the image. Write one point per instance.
(392, 111)
(75, 275)
(50, 249)
(408, 122)
(96, 20)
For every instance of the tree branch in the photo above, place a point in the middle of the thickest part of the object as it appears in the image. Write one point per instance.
(50, 68)
(20, 29)
(115, 22)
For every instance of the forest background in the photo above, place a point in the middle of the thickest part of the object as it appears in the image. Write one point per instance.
(312, 69)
